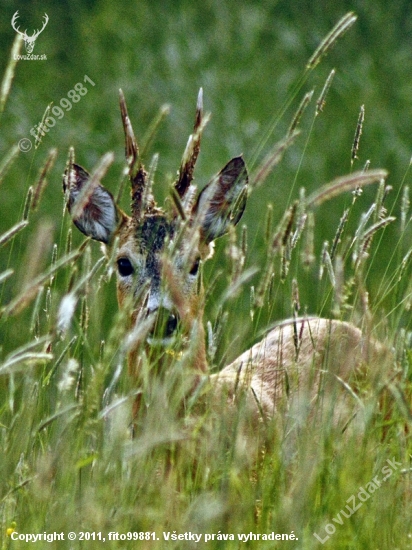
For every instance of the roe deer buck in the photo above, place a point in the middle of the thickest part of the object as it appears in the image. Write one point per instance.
(158, 254)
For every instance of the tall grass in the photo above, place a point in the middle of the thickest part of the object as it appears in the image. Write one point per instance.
(68, 462)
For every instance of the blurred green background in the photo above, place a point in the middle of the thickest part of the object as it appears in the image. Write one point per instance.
(248, 56)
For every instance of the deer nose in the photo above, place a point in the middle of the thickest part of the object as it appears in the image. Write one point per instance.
(166, 323)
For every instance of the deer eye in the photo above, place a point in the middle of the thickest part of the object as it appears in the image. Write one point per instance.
(125, 267)
(195, 267)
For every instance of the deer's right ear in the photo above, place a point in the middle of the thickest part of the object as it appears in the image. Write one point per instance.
(92, 208)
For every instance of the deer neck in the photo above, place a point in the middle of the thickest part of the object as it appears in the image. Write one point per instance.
(188, 360)
(187, 351)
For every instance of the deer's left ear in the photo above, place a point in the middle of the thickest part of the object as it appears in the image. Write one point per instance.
(222, 202)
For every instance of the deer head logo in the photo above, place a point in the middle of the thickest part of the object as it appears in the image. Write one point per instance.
(29, 41)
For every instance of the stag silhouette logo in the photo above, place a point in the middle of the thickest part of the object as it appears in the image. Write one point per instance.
(29, 41)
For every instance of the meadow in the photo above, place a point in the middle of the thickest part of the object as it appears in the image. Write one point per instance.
(68, 462)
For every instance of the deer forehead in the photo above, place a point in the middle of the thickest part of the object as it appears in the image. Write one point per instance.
(145, 239)
(158, 261)
(150, 236)
(153, 232)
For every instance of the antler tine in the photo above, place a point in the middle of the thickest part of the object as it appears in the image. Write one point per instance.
(191, 153)
(131, 148)
(137, 173)
(199, 110)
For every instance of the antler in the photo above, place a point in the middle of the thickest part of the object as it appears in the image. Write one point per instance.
(13, 24)
(36, 34)
(141, 200)
(191, 153)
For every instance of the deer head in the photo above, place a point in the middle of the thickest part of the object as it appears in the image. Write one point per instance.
(29, 41)
(159, 251)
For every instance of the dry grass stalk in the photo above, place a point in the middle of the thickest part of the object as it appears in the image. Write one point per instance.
(5, 238)
(380, 210)
(5, 275)
(338, 30)
(308, 254)
(298, 115)
(378, 225)
(345, 183)
(23, 299)
(339, 232)
(42, 124)
(19, 363)
(272, 159)
(405, 205)
(8, 160)
(151, 132)
(338, 294)
(320, 103)
(9, 73)
(42, 179)
(27, 203)
(327, 262)
(284, 228)
(358, 133)
(37, 251)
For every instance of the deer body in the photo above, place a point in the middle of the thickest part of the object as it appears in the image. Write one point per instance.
(158, 257)
(284, 372)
